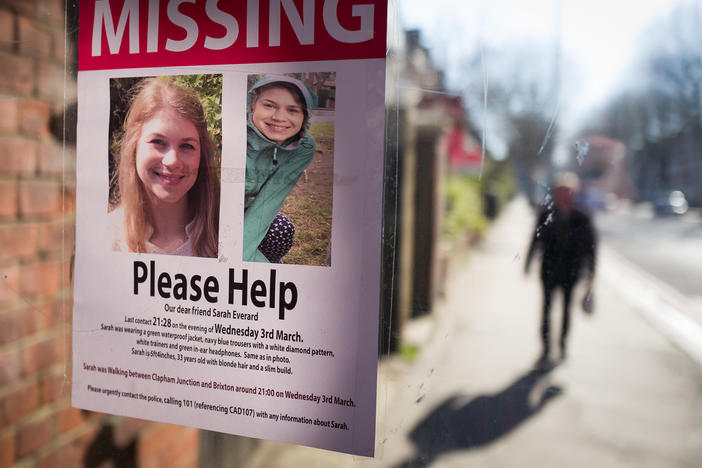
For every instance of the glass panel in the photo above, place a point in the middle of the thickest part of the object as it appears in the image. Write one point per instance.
(535, 151)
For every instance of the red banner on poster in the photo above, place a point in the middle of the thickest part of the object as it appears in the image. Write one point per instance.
(159, 33)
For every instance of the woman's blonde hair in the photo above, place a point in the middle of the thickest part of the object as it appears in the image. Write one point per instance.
(150, 96)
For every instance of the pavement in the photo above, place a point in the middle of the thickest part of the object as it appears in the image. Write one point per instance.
(628, 394)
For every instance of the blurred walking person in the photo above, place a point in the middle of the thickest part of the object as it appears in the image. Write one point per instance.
(567, 240)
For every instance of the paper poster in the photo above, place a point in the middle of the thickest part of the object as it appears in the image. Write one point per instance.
(229, 183)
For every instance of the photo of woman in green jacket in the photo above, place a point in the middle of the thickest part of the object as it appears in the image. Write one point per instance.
(278, 150)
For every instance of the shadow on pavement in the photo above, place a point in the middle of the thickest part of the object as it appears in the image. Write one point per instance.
(483, 420)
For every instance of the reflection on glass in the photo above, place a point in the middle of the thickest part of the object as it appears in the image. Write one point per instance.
(525, 91)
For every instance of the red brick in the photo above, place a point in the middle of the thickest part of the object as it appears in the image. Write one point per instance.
(44, 316)
(18, 323)
(51, 81)
(57, 236)
(52, 314)
(18, 156)
(7, 29)
(61, 313)
(9, 112)
(54, 159)
(39, 198)
(25, 7)
(10, 366)
(33, 435)
(16, 73)
(127, 429)
(38, 356)
(192, 461)
(9, 284)
(51, 160)
(152, 462)
(34, 40)
(183, 447)
(18, 240)
(17, 404)
(69, 418)
(8, 199)
(49, 315)
(51, 11)
(54, 387)
(12, 325)
(63, 347)
(44, 354)
(40, 279)
(7, 449)
(34, 118)
(70, 454)
(60, 46)
(68, 203)
(154, 443)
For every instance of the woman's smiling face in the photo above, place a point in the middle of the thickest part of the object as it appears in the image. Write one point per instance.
(277, 114)
(168, 156)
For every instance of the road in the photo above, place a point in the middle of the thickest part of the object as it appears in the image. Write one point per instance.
(669, 248)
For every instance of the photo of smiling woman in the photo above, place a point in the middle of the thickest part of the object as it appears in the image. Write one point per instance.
(165, 190)
(281, 148)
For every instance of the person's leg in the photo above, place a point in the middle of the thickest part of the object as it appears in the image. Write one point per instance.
(546, 319)
(278, 240)
(567, 294)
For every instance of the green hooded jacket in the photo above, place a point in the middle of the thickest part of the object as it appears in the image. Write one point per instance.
(272, 171)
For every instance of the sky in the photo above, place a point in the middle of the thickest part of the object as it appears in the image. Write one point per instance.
(596, 40)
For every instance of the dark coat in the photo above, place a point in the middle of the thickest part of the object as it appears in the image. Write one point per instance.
(568, 243)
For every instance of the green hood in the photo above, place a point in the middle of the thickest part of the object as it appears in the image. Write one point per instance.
(307, 93)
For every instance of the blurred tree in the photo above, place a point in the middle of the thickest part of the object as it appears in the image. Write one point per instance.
(658, 116)
(517, 96)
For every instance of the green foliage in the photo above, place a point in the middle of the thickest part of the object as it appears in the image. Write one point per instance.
(313, 230)
(464, 206)
(121, 93)
(499, 180)
(209, 88)
(309, 205)
(322, 130)
(326, 96)
(409, 352)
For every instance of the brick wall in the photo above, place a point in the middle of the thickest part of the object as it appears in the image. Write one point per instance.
(38, 427)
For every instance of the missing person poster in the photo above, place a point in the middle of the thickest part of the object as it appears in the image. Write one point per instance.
(229, 179)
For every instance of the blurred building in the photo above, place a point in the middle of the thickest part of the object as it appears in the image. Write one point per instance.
(601, 164)
(426, 132)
